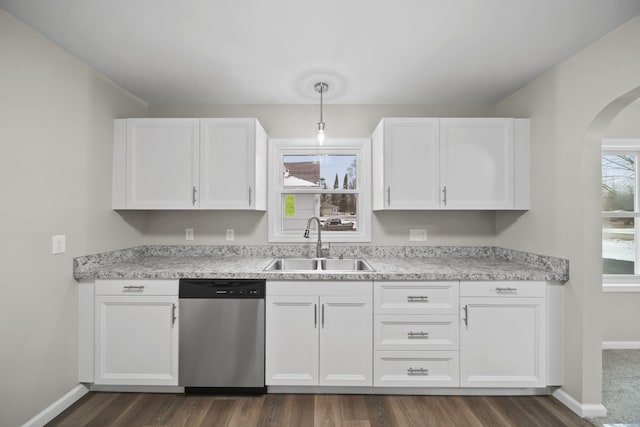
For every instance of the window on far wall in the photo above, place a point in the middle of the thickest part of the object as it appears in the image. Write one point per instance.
(620, 213)
(329, 181)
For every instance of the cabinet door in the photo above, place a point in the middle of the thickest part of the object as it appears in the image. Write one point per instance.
(476, 168)
(291, 341)
(346, 343)
(162, 163)
(136, 340)
(411, 170)
(227, 160)
(503, 342)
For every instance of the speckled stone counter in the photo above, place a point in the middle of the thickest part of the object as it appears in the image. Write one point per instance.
(389, 263)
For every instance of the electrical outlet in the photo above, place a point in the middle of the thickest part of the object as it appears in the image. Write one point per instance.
(58, 244)
(418, 235)
(188, 234)
(230, 235)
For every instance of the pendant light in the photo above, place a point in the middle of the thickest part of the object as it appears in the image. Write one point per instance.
(321, 87)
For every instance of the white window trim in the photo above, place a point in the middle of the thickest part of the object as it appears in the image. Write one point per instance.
(278, 148)
(622, 282)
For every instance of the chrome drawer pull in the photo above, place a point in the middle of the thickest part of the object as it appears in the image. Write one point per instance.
(133, 288)
(506, 290)
(417, 371)
(422, 335)
(417, 298)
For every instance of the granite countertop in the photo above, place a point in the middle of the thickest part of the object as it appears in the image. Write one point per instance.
(389, 263)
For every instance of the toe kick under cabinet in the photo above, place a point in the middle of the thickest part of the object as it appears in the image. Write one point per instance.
(416, 334)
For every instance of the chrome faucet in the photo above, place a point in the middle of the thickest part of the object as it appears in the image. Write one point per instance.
(306, 235)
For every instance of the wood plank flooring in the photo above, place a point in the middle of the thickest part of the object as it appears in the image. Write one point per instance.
(307, 410)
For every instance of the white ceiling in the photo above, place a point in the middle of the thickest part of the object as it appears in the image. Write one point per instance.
(369, 51)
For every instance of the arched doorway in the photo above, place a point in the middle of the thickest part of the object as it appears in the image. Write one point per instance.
(599, 129)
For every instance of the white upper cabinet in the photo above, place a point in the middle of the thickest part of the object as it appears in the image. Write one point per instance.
(233, 160)
(160, 167)
(189, 164)
(407, 154)
(476, 168)
(451, 163)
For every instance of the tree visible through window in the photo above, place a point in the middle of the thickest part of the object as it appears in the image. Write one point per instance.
(620, 208)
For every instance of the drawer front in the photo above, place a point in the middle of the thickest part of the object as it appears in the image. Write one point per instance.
(416, 369)
(416, 297)
(136, 287)
(503, 289)
(416, 332)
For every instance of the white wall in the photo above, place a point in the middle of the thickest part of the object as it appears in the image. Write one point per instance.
(55, 159)
(626, 124)
(343, 121)
(565, 217)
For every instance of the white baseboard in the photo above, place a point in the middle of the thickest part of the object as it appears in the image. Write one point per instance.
(57, 407)
(583, 410)
(621, 345)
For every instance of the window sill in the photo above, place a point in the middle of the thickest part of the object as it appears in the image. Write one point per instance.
(613, 287)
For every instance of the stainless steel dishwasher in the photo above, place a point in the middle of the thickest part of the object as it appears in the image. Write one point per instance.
(221, 336)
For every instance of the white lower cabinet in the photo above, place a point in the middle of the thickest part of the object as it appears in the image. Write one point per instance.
(322, 336)
(503, 334)
(136, 333)
(416, 334)
(291, 341)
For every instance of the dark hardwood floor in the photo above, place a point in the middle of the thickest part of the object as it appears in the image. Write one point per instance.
(307, 410)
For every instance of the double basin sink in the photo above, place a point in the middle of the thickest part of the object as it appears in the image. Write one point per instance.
(319, 265)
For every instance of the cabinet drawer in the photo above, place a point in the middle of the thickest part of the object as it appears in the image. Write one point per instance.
(416, 332)
(504, 289)
(416, 369)
(136, 287)
(416, 297)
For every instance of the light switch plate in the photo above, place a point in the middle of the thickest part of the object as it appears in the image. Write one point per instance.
(188, 234)
(418, 235)
(58, 244)
(230, 235)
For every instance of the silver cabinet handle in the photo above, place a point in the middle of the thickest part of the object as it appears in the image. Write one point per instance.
(173, 314)
(444, 195)
(417, 371)
(506, 290)
(315, 316)
(133, 288)
(322, 316)
(249, 195)
(466, 315)
(193, 195)
(421, 335)
(417, 298)
(388, 196)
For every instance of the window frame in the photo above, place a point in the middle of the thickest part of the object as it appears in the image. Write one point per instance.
(278, 148)
(624, 282)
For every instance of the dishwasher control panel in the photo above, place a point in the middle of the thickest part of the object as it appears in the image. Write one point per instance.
(219, 288)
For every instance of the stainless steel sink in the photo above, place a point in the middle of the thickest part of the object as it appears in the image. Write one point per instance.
(353, 264)
(318, 265)
(293, 264)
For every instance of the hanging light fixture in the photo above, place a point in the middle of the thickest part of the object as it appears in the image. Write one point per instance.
(321, 87)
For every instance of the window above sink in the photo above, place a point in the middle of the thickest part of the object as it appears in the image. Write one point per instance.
(330, 181)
